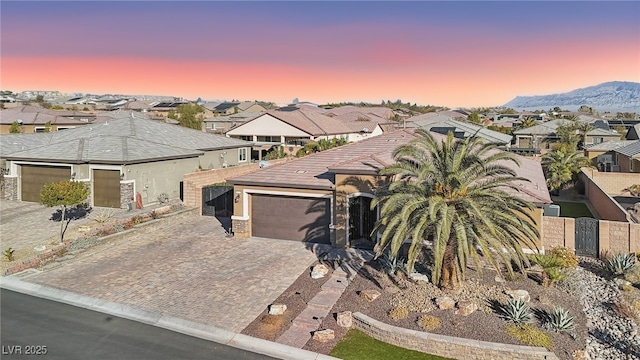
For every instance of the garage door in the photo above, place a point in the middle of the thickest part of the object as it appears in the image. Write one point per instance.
(35, 176)
(106, 188)
(291, 218)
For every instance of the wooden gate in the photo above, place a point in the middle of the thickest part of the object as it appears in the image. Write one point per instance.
(587, 237)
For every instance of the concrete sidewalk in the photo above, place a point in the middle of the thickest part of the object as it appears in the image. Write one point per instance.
(172, 323)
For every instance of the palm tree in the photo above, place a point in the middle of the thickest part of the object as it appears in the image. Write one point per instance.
(584, 128)
(527, 122)
(562, 165)
(457, 193)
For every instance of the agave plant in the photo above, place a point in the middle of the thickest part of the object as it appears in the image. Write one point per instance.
(559, 320)
(517, 311)
(619, 264)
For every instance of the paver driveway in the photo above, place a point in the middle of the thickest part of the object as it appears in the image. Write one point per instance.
(190, 270)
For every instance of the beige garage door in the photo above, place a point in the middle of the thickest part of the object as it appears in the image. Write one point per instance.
(35, 176)
(291, 218)
(106, 188)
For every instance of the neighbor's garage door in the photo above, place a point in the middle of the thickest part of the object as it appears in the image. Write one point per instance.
(35, 176)
(106, 188)
(290, 218)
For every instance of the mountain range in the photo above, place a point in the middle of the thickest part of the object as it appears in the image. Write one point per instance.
(614, 96)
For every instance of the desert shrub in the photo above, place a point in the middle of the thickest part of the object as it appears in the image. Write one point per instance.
(103, 216)
(633, 275)
(567, 256)
(8, 253)
(626, 309)
(154, 214)
(551, 267)
(428, 322)
(530, 335)
(137, 219)
(558, 320)
(391, 265)
(163, 198)
(620, 263)
(128, 224)
(517, 311)
(399, 313)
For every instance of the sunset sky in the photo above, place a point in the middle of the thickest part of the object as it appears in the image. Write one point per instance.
(454, 53)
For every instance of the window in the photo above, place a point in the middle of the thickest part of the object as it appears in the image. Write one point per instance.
(213, 126)
(242, 154)
(39, 129)
(246, 138)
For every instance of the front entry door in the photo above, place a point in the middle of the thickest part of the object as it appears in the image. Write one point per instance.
(362, 221)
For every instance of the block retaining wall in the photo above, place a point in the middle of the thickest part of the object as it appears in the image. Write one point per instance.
(447, 346)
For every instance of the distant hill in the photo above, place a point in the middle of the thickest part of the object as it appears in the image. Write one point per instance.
(614, 96)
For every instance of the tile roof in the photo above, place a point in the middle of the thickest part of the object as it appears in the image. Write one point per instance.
(439, 120)
(631, 150)
(32, 115)
(379, 111)
(309, 120)
(122, 140)
(317, 171)
(609, 145)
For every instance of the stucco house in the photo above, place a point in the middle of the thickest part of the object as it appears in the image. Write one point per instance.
(118, 158)
(292, 126)
(325, 197)
(544, 135)
(34, 119)
(443, 123)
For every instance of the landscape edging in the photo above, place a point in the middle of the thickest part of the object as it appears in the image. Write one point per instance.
(447, 346)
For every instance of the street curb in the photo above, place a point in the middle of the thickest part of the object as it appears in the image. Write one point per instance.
(172, 323)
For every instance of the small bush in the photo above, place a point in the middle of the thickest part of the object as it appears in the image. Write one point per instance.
(8, 253)
(399, 313)
(559, 320)
(428, 322)
(137, 219)
(128, 224)
(154, 214)
(517, 311)
(529, 335)
(103, 216)
(626, 309)
(567, 256)
(392, 265)
(555, 275)
(551, 265)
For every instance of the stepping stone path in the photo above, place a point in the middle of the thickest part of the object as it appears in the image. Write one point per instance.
(318, 308)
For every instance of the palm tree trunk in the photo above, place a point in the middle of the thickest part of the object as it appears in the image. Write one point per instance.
(449, 279)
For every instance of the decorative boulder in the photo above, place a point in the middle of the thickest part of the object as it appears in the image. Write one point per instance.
(345, 319)
(418, 277)
(323, 335)
(622, 283)
(466, 307)
(519, 294)
(319, 271)
(369, 295)
(445, 303)
(277, 309)
(499, 279)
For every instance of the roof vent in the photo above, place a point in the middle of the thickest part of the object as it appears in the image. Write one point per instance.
(301, 171)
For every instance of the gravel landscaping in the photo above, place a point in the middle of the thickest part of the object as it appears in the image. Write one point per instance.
(600, 331)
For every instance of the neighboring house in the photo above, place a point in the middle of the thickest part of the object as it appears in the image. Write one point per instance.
(222, 124)
(628, 158)
(226, 108)
(602, 155)
(251, 107)
(444, 123)
(615, 156)
(293, 126)
(118, 158)
(544, 135)
(163, 108)
(34, 119)
(325, 197)
(376, 111)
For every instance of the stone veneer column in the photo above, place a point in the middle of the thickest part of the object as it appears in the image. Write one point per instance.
(570, 233)
(603, 237)
(240, 228)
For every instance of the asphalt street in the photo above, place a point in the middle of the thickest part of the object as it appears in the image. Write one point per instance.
(36, 328)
